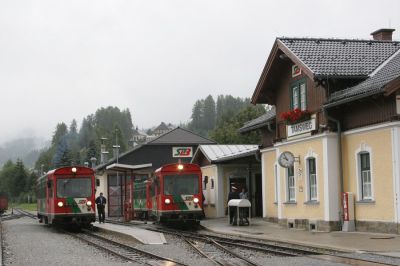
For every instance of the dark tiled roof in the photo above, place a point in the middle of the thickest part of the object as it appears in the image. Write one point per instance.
(341, 57)
(177, 136)
(180, 136)
(387, 72)
(259, 122)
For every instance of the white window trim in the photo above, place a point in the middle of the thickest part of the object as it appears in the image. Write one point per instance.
(276, 188)
(311, 154)
(303, 96)
(287, 185)
(364, 148)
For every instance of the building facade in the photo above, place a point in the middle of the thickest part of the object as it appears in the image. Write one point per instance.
(226, 166)
(334, 129)
(117, 175)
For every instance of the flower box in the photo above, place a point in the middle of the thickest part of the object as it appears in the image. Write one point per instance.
(295, 116)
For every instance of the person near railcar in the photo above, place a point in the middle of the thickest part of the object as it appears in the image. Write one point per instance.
(101, 202)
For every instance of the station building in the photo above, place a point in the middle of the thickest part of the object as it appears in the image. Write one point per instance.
(117, 175)
(227, 166)
(334, 128)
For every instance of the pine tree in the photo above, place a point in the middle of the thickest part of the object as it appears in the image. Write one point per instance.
(66, 159)
(19, 179)
(209, 117)
(226, 131)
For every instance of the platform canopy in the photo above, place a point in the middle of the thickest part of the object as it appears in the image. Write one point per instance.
(127, 167)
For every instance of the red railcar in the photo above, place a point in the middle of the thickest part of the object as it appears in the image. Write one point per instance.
(175, 193)
(3, 202)
(66, 196)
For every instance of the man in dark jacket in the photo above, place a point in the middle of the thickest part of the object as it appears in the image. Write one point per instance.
(232, 210)
(101, 202)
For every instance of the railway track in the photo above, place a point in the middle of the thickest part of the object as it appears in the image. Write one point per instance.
(123, 251)
(268, 248)
(25, 213)
(208, 248)
(115, 248)
(207, 244)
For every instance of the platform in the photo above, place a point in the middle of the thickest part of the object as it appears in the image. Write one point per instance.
(139, 234)
(384, 244)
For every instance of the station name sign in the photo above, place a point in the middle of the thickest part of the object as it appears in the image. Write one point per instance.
(300, 128)
(179, 152)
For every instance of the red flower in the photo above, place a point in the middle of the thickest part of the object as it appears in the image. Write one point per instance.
(294, 115)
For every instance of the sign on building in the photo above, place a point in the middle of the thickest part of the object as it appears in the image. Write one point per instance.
(179, 152)
(300, 128)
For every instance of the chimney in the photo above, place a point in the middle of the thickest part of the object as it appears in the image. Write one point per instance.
(93, 160)
(104, 157)
(383, 34)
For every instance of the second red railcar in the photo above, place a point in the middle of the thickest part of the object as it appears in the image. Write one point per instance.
(67, 195)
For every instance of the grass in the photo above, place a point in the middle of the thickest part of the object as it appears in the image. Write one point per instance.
(24, 206)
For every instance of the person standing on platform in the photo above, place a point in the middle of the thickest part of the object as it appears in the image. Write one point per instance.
(232, 210)
(244, 212)
(244, 194)
(101, 202)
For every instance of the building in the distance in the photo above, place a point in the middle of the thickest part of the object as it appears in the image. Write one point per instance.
(140, 162)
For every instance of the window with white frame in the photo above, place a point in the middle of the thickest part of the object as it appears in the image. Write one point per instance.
(276, 183)
(291, 189)
(365, 176)
(312, 179)
(299, 95)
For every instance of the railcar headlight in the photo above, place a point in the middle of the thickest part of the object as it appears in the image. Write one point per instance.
(73, 169)
(167, 201)
(89, 203)
(180, 166)
(196, 200)
(60, 204)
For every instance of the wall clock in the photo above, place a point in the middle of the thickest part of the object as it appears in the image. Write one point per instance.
(286, 159)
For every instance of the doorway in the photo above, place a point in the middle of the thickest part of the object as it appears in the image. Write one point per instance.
(238, 183)
(258, 204)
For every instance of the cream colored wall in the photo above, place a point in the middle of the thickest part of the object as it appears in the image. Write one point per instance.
(102, 187)
(301, 210)
(210, 171)
(380, 143)
(269, 175)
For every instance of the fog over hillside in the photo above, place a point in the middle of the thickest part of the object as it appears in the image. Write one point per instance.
(27, 149)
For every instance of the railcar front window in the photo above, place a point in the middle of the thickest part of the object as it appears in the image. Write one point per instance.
(181, 184)
(74, 187)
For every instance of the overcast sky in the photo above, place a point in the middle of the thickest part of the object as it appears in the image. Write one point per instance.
(61, 60)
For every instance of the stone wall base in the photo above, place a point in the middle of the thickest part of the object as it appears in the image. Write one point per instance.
(306, 224)
(378, 227)
(328, 226)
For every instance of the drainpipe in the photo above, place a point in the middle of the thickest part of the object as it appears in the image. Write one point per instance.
(339, 133)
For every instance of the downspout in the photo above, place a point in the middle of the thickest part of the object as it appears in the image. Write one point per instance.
(341, 179)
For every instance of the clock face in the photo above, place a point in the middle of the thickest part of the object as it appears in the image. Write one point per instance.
(286, 159)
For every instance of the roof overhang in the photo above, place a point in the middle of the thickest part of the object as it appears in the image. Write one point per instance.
(118, 167)
(200, 150)
(392, 86)
(350, 99)
(256, 126)
(265, 78)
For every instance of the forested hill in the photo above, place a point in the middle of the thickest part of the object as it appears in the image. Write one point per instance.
(221, 119)
(26, 149)
(71, 145)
